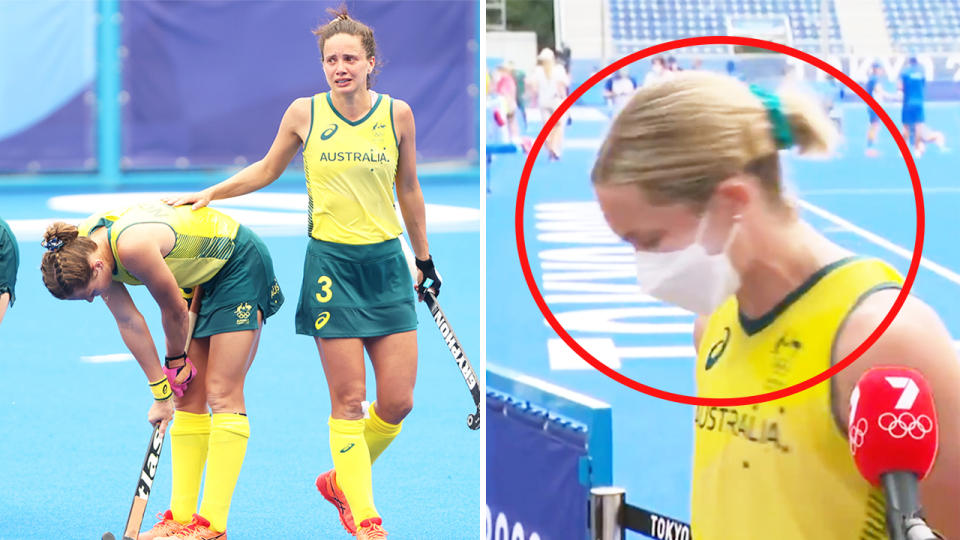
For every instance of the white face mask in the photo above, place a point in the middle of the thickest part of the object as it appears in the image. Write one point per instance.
(690, 277)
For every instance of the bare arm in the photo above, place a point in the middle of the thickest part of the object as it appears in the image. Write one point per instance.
(141, 255)
(294, 128)
(916, 339)
(136, 336)
(133, 330)
(409, 195)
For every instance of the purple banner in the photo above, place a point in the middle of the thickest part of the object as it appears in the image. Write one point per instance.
(60, 142)
(533, 475)
(47, 86)
(208, 82)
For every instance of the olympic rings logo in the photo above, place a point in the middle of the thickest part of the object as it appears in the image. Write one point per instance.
(857, 432)
(906, 424)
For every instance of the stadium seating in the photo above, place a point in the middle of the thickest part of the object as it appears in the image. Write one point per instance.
(923, 25)
(914, 25)
(638, 23)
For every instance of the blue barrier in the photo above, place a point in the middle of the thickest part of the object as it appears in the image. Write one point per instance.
(546, 447)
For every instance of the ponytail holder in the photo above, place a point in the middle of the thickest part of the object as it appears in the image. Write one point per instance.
(781, 128)
(53, 244)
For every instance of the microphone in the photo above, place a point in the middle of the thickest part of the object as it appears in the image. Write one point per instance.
(894, 440)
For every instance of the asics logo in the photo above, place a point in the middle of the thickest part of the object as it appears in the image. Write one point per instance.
(346, 448)
(327, 133)
(857, 433)
(906, 424)
(717, 350)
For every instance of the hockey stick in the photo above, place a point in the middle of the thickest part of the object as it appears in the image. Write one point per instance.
(149, 469)
(453, 343)
(456, 349)
(140, 497)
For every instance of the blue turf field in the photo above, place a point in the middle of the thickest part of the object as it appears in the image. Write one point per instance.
(73, 433)
(862, 203)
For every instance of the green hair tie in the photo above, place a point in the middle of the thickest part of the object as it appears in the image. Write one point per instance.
(781, 128)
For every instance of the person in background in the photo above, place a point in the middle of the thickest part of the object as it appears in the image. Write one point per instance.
(875, 87)
(833, 94)
(552, 82)
(9, 261)
(658, 71)
(673, 65)
(506, 90)
(913, 84)
(618, 89)
(732, 71)
(520, 77)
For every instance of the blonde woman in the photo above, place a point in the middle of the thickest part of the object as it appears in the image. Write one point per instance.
(167, 249)
(689, 175)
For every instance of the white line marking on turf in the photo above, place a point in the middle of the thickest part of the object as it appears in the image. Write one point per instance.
(582, 144)
(938, 269)
(583, 114)
(107, 358)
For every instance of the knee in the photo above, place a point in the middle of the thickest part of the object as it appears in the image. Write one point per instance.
(348, 401)
(394, 411)
(223, 397)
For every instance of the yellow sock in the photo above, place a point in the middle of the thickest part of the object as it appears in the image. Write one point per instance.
(228, 444)
(351, 459)
(189, 435)
(379, 433)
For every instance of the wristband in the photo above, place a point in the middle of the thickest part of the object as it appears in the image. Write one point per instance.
(161, 389)
(168, 359)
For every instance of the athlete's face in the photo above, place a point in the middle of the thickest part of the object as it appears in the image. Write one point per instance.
(346, 64)
(100, 281)
(662, 227)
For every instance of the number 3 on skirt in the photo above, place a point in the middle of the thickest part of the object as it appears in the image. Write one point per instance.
(325, 294)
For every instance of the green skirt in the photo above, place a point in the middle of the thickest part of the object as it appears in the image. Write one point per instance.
(9, 260)
(245, 285)
(355, 291)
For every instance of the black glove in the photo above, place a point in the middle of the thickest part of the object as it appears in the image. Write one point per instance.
(429, 271)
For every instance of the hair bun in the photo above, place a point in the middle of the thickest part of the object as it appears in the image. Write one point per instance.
(58, 235)
(52, 244)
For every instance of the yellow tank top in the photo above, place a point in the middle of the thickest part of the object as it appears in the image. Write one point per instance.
(782, 469)
(204, 239)
(350, 169)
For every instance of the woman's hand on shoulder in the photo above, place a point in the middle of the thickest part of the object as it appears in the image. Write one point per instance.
(198, 199)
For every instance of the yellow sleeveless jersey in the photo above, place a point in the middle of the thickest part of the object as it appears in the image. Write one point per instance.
(350, 169)
(204, 239)
(782, 469)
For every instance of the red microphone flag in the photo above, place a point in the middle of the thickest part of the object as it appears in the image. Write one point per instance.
(893, 423)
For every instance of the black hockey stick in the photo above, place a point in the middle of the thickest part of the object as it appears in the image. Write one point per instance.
(456, 349)
(144, 483)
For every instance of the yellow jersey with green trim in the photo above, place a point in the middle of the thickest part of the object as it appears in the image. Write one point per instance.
(350, 169)
(204, 239)
(782, 469)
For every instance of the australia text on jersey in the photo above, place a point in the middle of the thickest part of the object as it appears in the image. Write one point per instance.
(369, 157)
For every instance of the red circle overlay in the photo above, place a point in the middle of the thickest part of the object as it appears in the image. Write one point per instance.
(718, 40)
